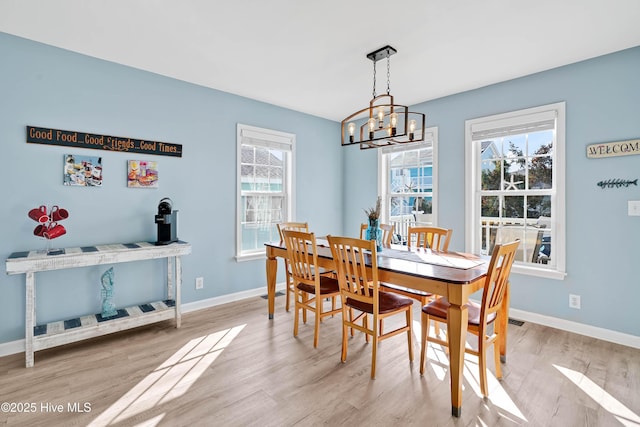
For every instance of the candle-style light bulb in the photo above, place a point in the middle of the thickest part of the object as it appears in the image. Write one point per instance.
(394, 123)
(352, 129)
(380, 117)
(372, 127)
(412, 128)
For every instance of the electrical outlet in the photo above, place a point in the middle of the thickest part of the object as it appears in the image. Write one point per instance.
(574, 301)
(199, 282)
(634, 207)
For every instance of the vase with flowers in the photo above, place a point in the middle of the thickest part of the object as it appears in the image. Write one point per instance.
(374, 232)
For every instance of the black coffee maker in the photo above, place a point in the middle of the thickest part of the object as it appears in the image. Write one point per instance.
(167, 220)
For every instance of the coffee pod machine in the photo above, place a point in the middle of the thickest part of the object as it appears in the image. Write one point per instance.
(167, 220)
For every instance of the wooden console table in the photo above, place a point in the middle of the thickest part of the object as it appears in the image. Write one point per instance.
(40, 337)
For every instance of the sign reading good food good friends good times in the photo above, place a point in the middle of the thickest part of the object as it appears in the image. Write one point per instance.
(69, 138)
(614, 149)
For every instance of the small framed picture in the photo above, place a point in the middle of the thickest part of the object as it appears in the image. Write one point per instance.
(84, 171)
(142, 174)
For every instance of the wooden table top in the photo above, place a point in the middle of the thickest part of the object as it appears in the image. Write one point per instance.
(422, 263)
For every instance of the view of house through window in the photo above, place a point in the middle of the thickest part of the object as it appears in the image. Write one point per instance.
(512, 168)
(517, 184)
(264, 181)
(407, 183)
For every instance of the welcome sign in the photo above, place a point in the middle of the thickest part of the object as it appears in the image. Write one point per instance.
(613, 149)
(77, 139)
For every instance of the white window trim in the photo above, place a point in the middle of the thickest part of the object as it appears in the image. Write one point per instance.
(430, 136)
(274, 139)
(472, 195)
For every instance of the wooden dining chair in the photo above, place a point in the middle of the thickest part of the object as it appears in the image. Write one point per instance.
(481, 316)
(387, 232)
(311, 287)
(435, 238)
(361, 297)
(297, 226)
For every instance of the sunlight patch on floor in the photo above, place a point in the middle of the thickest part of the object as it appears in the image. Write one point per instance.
(170, 380)
(153, 422)
(438, 361)
(623, 414)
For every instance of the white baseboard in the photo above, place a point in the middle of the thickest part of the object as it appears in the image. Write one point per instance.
(12, 347)
(577, 328)
(628, 340)
(224, 299)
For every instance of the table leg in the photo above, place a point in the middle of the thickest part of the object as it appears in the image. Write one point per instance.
(30, 317)
(272, 269)
(503, 324)
(170, 278)
(457, 319)
(178, 287)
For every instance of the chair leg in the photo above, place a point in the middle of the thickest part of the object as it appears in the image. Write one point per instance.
(295, 319)
(496, 358)
(288, 289)
(351, 318)
(365, 324)
(305, 299)
(381, 326)
(482, 364)
(343, 357)
(374, 349)
(316, 329)
(424, 330)
(409, 334)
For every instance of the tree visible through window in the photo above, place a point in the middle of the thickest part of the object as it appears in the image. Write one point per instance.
(518, 184)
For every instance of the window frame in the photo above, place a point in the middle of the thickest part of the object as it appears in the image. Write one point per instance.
(430, 139)
(473, 189)
(267, 138)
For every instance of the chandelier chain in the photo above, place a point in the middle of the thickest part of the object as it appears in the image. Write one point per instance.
(388, 73)
(374, 79)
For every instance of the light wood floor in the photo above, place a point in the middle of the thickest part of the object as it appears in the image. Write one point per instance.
(231, 366)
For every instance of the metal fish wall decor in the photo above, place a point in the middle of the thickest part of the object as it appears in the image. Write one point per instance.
(617, 183)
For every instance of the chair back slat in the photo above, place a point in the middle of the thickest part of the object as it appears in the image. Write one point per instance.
(357, 281)
(387, 232)
(303, 255)
(296, 226)
(435, 238)
(497, 279)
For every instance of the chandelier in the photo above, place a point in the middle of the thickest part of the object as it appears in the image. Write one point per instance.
(382, 123)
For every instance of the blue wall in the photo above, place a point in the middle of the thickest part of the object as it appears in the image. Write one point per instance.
(49, 87)
(602, 98)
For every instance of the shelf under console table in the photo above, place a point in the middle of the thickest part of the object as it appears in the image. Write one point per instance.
(40, 337)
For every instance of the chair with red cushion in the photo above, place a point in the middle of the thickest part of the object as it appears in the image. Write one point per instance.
(297, 226)
(481, 316)
(311, 286)
(361, 296)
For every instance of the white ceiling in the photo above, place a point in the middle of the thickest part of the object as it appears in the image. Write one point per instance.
(311, 56)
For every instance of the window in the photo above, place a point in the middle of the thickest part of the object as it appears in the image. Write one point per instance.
(407, 183)
(515, 187)
(265, 188)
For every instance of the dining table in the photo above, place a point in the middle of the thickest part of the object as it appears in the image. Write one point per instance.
(455, 275)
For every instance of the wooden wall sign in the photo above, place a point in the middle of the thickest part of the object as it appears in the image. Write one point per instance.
(69, 138)
(614, 149)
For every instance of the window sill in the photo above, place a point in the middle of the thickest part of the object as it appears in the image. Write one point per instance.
(532, 270)
(251, 257)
